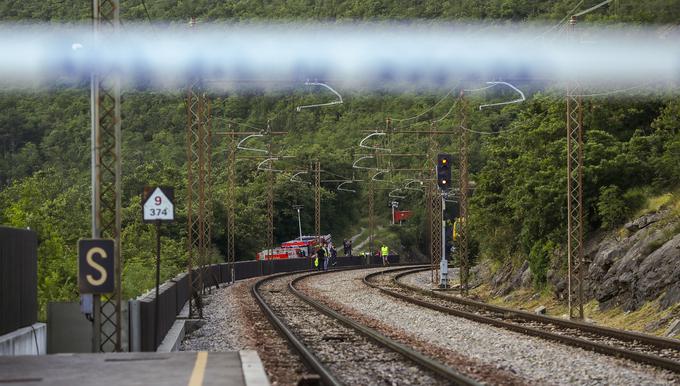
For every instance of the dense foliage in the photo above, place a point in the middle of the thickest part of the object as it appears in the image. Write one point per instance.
(518, 208)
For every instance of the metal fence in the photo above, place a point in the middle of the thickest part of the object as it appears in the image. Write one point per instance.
(174, 293)
(18, 278)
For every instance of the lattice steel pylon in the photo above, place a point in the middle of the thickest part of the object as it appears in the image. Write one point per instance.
(231, 203)
(317, 200)
(434, 203)
(106, 176)
(574, 197)
(371, 215)
(575, 203)
(198, 203)
(463, 254)
(270, 201)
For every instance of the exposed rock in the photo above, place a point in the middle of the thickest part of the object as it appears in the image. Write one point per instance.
(479, 274)
(673, 328)
(643, 221)
(518, 275)
(540, 310)
(671, 296)
(630, 272)
(655, 325)
(526, 277)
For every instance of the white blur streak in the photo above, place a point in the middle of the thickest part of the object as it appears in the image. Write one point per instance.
(521, 98)
(335, 102)
(360, 56)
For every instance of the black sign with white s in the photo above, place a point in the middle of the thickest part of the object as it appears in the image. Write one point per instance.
(95, 266)
(157, 204)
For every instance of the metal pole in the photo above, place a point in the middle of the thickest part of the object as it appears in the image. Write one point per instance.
(156, 319)
(463, 250)
(574, 197)
(231, 204)
(299, 222)
(106, 176)
(443, 265)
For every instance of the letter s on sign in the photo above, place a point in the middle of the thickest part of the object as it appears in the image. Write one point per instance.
(93, 264)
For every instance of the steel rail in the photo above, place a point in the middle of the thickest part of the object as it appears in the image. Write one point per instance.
(629, 336)
(568, 340)
(415, 356)
(310, 359)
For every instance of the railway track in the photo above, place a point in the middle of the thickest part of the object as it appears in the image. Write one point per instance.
(339, 350)
(655, 351)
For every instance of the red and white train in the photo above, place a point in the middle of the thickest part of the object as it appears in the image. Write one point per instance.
(299, 247)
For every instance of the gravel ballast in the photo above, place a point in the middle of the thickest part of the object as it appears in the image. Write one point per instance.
(234, 321)
(533, 359)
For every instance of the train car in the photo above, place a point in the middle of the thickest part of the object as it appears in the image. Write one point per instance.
(276, 253)
(300, 247)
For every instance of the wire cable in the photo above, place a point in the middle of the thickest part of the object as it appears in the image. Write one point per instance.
(427, 110)
(521, 98)
(336, 102)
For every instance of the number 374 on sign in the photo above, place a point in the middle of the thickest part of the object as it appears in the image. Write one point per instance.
(157, 204)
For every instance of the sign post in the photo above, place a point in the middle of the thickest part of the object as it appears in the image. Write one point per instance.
(157, 206)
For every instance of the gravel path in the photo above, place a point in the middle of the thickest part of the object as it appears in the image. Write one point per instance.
(234, 321)
(533, 359)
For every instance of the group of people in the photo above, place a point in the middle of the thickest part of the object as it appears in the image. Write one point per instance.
(325, 255)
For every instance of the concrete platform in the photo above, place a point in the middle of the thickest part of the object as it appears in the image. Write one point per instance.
(237, 368)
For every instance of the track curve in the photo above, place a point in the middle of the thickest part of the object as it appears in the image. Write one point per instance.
(339, 350)
(655, 351)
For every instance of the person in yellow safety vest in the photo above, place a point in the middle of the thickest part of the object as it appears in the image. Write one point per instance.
(384, 251)
(456, 227)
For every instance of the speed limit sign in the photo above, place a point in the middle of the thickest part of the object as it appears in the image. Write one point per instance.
(158, 205)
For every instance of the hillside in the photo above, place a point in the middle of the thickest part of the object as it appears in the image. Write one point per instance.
(517, 210)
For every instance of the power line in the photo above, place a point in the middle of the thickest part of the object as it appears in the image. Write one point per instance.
(592, 8)
(427, 110)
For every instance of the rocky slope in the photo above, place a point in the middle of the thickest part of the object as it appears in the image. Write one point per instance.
(624, 269)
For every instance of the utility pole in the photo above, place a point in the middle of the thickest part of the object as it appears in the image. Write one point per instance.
(231, 203)
(198, 156)
(463, 256)
(317, 200)
(574, 126)
(106, 176)
(270, 198)
(371, 216)
(298, 207)
(435, 210)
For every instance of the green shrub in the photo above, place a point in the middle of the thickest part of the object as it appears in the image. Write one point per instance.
(610, 206)
(539, 261)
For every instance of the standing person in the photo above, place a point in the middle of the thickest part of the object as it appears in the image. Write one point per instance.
(320, 255)
(384, 251)
(315, 256)
(349, 247)
(345, 247)
(333, 254)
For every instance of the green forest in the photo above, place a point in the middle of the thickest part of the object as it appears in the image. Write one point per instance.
(518, 152)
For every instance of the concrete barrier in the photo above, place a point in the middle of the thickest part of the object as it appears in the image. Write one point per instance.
(31, 340)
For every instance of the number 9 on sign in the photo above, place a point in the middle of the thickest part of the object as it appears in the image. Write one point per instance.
(157, 205)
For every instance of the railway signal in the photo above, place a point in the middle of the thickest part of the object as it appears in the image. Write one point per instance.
(444, 171)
